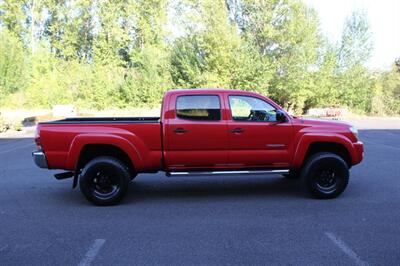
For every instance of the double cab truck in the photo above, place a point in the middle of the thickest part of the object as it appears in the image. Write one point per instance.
(203, 132)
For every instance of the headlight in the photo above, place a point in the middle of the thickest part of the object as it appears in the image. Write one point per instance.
(354, 130)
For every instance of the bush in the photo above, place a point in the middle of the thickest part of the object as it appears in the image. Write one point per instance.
(4, 126)
(17, 126)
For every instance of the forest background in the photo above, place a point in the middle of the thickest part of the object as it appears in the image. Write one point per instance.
(123, 54)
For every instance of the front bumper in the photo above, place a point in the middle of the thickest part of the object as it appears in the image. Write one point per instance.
(359, 152)
(40, 159)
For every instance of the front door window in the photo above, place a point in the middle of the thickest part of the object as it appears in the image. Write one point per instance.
(251, 109)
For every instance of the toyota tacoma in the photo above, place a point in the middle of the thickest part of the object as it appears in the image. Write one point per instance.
(201, 132)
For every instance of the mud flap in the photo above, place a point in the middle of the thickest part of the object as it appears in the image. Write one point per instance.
(75, 181)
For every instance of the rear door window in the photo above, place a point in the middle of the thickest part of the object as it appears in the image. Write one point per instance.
(198, 107)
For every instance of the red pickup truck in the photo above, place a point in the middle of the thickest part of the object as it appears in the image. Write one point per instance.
(200, 131)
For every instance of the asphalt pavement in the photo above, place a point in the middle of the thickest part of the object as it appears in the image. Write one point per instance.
(202, 220)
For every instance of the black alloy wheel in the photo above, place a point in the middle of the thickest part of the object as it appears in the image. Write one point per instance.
(325, 175)
(104, 180)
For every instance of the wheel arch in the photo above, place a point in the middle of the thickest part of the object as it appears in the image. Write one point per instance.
(309, 146)
(88, 146)
(91, 151)
(333, 147)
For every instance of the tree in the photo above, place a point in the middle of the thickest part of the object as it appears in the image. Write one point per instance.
(12, 16)
(356, 44)
(387, 92)
(286, 34)
(12, 63)
(125, 53)
(70, 28)
(148, 77)
(213, 54)
(324, 78)
(205, 56)
(354, 81)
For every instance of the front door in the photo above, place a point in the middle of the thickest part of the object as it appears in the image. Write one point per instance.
(255, 138)
(197, 136)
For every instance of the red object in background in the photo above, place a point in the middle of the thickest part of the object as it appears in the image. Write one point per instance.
(333, 112)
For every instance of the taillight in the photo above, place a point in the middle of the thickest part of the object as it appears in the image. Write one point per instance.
(37, 138)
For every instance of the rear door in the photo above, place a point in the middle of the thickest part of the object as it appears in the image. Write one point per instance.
(255, 138)
(196, 135)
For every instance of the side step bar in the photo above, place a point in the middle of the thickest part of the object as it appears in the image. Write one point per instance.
(240, 172)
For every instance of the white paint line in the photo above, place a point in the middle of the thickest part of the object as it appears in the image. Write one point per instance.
(346, 249)
(18, 147)
(92, 252)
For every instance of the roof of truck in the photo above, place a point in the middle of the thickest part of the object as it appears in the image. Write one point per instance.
(207, 90)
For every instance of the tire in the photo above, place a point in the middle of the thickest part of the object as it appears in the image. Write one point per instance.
(291, 175)
(325, 175)
(104, 181)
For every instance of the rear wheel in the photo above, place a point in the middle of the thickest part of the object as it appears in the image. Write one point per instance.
(325, 175)
(104, 180)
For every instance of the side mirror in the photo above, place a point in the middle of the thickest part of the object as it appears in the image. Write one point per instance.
(280, 116)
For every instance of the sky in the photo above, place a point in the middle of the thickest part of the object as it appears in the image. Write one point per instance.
(384, 19)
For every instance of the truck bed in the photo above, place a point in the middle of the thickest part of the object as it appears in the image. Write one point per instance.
(95, 120)
(63, 140)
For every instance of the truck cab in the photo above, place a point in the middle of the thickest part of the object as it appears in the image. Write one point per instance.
(225, 129)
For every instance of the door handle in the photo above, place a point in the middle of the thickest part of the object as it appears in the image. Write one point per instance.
(180, 130)
(237, 130)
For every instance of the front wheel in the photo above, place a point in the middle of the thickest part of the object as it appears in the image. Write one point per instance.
(325, 175)
(104, 181)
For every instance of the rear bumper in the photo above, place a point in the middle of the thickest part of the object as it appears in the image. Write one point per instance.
(359, 152)
(40, 159)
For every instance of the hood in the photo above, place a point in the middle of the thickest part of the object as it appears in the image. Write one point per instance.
(320, 122)
(320, 126)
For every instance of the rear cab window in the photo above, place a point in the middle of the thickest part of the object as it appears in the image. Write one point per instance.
(198, 107)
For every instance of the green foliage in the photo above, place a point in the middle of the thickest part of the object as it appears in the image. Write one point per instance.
(187, 62)
(354, 80)
(127, 53)
(17, 126)
(286, 35)
(147, 81)
(356, 46)
(4, 126)
(12, 15)
(205, 57)
(213, 55)
(12, 63)
(387, 93)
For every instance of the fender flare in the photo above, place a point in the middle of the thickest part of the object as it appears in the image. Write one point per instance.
(130, 147)
(307, 139)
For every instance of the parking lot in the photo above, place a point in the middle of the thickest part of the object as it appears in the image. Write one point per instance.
(224, 220)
